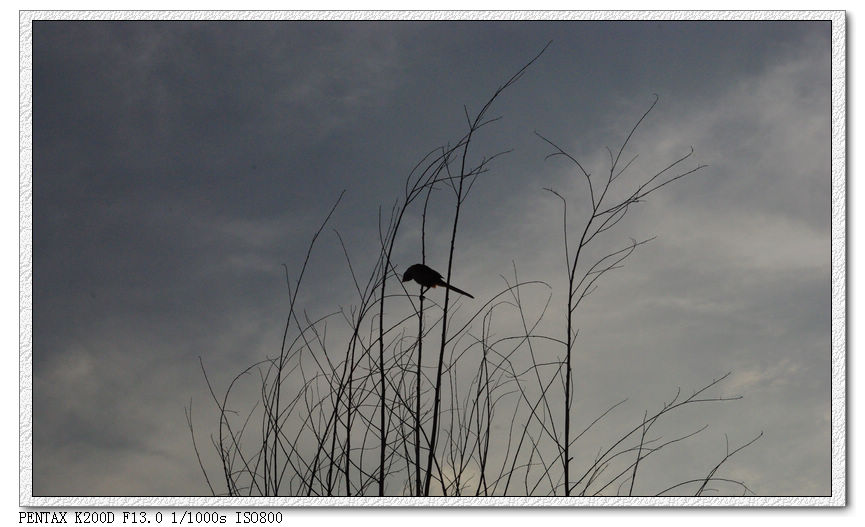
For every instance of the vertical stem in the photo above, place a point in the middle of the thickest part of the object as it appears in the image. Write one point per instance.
(348, 421)
(382, 387)
(417, 396)
(417, 429)
(437, 400)
(568, 401)
(386, 256)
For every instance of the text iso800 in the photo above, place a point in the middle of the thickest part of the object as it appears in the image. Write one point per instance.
(259, 517)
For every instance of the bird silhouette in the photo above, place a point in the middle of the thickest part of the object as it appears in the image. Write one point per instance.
(428, 277)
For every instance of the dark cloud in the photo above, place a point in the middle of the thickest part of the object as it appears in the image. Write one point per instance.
(177, 165)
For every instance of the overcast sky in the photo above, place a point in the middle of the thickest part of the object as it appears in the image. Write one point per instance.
(178, 165)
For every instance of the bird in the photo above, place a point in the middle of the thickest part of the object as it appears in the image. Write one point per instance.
(428, 277)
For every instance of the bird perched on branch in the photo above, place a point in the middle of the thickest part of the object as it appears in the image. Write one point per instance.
(428, 278)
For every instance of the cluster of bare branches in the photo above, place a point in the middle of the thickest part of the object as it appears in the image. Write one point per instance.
(484, 414)
(605, 214)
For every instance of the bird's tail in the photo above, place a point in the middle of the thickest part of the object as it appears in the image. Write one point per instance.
(452, 288)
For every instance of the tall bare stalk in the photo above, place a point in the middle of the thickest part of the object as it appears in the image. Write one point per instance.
(605, 215)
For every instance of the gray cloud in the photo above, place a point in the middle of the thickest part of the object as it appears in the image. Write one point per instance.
(177, 165)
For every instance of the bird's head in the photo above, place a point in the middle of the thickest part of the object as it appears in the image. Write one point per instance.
(408, 275)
